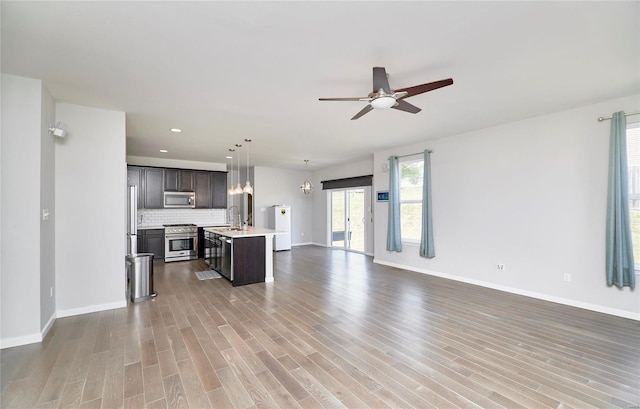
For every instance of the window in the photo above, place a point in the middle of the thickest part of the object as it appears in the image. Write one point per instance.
(633, 162)
(411, 171)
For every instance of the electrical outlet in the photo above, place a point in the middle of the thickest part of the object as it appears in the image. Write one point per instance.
(50, 291)
(567, 277)
(302, 234)
(501, 267)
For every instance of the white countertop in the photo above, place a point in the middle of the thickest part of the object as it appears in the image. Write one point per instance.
(249, 232)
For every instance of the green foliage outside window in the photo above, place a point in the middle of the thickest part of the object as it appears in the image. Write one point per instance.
(411, 199)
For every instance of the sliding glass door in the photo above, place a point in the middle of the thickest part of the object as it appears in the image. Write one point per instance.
(348, 219)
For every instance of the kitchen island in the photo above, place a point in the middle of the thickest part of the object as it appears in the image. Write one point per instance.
(243, 256)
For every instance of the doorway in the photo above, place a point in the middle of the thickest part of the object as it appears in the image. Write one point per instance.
(348, 216)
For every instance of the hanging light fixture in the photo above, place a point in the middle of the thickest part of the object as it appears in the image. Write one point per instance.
(247, 186)
(238, 188)
(231, 189)
(306, 187)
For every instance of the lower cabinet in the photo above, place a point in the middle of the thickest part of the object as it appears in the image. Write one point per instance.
(152, 241)
(242, 258)
(248, 260)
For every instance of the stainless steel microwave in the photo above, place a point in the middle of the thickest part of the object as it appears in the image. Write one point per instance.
(180, 199)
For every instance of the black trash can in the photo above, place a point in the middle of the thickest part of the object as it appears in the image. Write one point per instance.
(140, 271)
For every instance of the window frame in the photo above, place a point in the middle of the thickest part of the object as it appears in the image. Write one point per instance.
(419, 158)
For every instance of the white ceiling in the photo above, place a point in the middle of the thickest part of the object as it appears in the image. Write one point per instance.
(225, 71)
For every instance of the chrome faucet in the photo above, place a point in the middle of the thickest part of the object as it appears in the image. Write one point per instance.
(231, 218)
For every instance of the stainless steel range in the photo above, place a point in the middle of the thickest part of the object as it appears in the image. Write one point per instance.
(180, 242)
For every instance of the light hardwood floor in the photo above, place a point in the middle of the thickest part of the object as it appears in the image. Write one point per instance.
(334, 330)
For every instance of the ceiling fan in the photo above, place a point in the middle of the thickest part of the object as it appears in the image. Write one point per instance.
(383, 96)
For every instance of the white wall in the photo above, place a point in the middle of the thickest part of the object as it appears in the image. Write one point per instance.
(20, 247)
(175, 163)
(90, 195)
(47, 201)
(529, 194)
(282, 186)
(320, 201)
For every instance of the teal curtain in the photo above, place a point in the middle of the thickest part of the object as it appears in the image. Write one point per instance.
(620, 264)
(394, 237)
(427, 248)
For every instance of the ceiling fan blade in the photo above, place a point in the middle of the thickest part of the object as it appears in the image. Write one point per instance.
(380, 80)
(364, 111)
(345, 99)
(419, 89)
(405, 106)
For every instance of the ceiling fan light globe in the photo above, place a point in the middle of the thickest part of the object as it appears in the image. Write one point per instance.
(383, 102)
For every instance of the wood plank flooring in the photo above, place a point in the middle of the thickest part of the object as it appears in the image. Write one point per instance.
(334, 330)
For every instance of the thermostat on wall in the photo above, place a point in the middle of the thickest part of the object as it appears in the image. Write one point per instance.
(383, 196)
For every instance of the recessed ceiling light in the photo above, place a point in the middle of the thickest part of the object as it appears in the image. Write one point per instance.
(229, 157)
(164, 150)
(176, 130)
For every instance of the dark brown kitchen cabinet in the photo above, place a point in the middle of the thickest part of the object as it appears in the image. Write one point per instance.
(153, 192)
(152, 241)
(248, 260)
(149, 182)
(135, 177)
(202, 184)
(210, 187)
(218, 190)
(178, 180)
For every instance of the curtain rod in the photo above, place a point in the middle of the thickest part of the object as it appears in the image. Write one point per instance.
(605, 118)
(412, 154)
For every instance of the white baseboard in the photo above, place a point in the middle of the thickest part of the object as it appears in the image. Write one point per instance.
(19, 341)
(526, 293)
(301, 244)
(28, 339)
(91, 308)
(48, 325)
(38, 337)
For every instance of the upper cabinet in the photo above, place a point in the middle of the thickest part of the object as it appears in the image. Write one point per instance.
(153, 193)
(149, 182)
(178, 180)
(210, 187)
(202, 182)
(218, 190)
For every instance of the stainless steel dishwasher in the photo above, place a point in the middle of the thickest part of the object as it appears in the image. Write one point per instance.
(226, 265)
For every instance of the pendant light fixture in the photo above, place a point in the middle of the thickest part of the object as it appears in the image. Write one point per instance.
(247, 186)
(231, 189)
(238, 188)
(306, 187)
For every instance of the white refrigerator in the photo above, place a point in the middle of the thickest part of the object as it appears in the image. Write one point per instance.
(279, 218)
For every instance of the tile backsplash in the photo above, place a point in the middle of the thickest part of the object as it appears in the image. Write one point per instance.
(201, 217)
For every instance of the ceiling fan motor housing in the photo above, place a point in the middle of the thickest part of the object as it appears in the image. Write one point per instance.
(383, 102)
